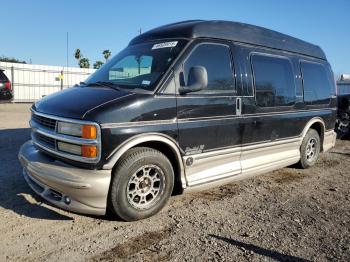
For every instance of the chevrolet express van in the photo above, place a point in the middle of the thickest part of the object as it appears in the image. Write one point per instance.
(183, 107)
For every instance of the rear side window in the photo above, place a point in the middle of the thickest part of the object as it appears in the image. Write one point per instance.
(216, 59)
(344, 89)
(274, 82)
(316, 83)
(3, 77)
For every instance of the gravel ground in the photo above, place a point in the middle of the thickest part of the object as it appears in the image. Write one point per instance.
(286, 215)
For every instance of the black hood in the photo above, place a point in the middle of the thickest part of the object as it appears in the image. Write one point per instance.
(76, 102)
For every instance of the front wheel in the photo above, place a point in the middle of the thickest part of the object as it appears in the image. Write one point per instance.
(310, 149)
(141, 184)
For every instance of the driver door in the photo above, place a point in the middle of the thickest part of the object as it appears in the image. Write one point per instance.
(209, 119)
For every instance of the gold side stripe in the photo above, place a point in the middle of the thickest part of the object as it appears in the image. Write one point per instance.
(209, 118)
(139, 123)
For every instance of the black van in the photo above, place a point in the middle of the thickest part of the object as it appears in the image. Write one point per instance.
(183, 107)
(342, 126)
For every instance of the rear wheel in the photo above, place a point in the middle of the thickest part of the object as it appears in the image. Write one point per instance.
(141, 184)
(310, 149)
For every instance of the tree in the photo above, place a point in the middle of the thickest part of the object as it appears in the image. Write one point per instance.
(98, 64)
(11, 60)
(78, 54)
(84, 63)
(139, 60)
(106, 54)
(81, 61)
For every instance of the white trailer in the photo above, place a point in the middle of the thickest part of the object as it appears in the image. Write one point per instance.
(32, 82)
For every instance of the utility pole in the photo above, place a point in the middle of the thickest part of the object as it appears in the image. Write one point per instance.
(140, 31)
(67, 52)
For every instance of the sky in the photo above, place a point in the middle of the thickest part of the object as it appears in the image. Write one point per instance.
(35, 30)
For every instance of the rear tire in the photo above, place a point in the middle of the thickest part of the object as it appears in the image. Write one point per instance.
(310, 149)
(141, 184)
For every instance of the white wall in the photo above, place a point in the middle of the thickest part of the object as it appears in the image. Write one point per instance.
(32, 82)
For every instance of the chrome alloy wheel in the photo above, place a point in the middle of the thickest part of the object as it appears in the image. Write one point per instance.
(145, 187)
(311, 149)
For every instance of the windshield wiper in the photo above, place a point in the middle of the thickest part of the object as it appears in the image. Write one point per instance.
(105, 84)
(80, 84)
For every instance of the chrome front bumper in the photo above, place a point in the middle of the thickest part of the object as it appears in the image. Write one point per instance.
(66, 186)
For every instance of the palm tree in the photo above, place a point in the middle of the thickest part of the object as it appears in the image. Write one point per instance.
(98, 64)
(106, 54)
(139, 60)
(84, 63)
(78, 54)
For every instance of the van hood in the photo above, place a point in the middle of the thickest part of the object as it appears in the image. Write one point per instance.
(76, 102)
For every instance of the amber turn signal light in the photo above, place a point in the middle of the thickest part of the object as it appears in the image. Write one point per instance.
(88, 151)
(89, 132)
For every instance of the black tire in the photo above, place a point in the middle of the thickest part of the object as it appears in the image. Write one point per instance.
(309, 156)
(139, 169)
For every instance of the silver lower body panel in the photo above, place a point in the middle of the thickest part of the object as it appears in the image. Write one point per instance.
(66, 186)
(228, 165)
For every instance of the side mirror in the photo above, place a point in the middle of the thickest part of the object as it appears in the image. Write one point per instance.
(197, 80)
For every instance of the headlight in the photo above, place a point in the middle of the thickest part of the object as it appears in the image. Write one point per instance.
(69, 129)
(84, 131)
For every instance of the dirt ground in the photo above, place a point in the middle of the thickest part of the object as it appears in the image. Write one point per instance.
(286, 215)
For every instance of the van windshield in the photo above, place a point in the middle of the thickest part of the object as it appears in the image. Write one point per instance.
(138, 66)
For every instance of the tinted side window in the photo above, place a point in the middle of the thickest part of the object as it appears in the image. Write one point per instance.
(344, 89)
(274, 82)
(317, 86)
(217, 61)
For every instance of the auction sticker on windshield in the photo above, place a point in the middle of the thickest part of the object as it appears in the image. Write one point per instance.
(164, 45)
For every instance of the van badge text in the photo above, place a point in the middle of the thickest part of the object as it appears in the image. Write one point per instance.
(194, 150)
(164, 45)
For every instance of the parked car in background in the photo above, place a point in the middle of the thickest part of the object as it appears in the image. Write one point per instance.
(5, 87)
(343, 115)
(185, 106)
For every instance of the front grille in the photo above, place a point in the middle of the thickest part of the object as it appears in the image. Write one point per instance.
(45, 140)
(46, 137)
(44, 121)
